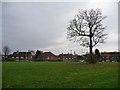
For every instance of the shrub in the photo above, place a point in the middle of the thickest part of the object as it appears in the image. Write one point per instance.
(97, 53)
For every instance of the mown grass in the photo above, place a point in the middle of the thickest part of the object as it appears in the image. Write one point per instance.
(59, 75)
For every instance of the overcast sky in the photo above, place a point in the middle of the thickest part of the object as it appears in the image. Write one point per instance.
(42, 25)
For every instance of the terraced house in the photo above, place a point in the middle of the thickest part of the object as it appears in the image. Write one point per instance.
(49, 56)
(21, 56)
(66, 57)
(110, 56)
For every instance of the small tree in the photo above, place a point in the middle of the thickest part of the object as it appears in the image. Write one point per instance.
(6, 51)
(97, 53)
(38, 55)
(87, 29)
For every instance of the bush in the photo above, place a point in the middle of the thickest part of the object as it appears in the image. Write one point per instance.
(91, 58)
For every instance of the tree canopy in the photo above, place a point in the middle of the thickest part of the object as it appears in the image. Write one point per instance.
(87, 28)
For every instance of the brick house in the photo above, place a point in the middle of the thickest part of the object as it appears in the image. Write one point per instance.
(48, 56)
(110, 56)
(21, 56)
(45, 56)
(66, 57)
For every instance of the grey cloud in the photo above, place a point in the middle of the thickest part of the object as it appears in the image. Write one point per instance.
(42, 25)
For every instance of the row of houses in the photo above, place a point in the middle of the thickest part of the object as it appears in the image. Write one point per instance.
(60, 57)
(17, 56)
(110, 56)
(44, 56)
(49, 56)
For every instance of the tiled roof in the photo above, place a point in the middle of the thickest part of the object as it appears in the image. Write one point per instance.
(21, 54)
(48, 54)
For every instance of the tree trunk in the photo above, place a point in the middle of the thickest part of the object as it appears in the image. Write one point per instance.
(90, 47)
(90, 40)
(5, 56)
(91, 50)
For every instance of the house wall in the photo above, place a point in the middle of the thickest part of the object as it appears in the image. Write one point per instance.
(110, 56)
(19, 57)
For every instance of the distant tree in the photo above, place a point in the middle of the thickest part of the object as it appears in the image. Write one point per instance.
(97, 53)
(38, 54)
(87, 29)
(6, 51)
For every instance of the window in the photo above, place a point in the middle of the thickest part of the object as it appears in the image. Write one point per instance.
(48, 57)
(22, 57)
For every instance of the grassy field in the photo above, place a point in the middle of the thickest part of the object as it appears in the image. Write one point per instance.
(59, 75)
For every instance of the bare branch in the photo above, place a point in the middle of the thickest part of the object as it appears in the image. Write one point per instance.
(87, 28)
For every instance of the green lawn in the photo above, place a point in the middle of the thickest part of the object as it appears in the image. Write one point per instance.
(59, 75)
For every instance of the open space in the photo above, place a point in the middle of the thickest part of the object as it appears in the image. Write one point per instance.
(59, 75)
(47, 44)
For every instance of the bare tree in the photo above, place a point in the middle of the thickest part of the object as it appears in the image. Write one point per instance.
(87, 28)
(6, 51)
